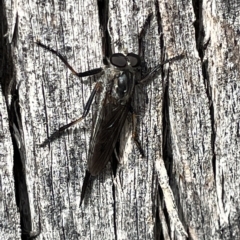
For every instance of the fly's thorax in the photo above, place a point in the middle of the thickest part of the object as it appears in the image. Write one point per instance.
(120, 83)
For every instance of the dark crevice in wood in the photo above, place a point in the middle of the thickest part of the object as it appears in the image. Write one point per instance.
(198, 25)
(211, 108)
(103, 6)
(10, 88)
(159, 21)
(142, 34)
(201, 46)
(165, 212)
(158, 230)
(166, 141)
(15, 32)
(167, 149)
(6, 61)
(166, 138)
(19, 169)
(166, 135)
(114, 212)
(46, 114)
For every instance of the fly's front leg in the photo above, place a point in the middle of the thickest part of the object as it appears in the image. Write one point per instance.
(63, 59)
(96, 89)
(156, 69)
(134, 132)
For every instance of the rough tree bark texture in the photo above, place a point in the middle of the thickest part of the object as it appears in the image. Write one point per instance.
(188, 119)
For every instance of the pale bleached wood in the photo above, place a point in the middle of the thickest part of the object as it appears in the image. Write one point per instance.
(188, 117)
(221, 25)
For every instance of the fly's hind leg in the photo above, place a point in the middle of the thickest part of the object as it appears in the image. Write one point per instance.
(134, 132)
(63, 59)
(96, 89)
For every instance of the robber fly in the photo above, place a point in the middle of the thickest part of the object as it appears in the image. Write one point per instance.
(116, 88)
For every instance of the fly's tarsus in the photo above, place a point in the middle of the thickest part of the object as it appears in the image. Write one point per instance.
(63, 128)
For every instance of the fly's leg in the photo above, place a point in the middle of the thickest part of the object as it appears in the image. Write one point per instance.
(141, 51)
(134, 132)
(81, 74)
(156, 69)
(57, 133)
(63, 59)
(150, 75)
(96, 89)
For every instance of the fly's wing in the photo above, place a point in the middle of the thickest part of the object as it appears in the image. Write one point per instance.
(106, 132)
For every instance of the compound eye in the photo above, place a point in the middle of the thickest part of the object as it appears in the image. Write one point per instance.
(118, 60)
(134, 59)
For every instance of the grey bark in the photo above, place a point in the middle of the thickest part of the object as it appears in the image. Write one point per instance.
(188, 119)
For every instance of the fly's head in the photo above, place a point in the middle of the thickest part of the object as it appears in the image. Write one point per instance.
(124, 69)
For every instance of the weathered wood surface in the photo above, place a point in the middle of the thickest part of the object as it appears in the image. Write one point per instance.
(188, 119)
